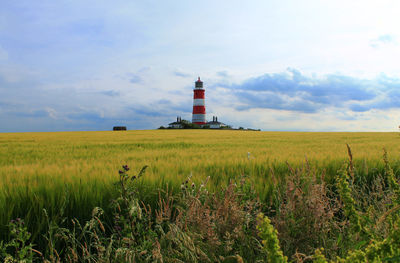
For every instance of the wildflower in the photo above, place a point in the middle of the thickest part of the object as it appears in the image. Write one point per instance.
(126, 168)
(120, 172)
(192, 185)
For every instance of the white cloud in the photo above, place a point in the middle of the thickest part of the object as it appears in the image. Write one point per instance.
(52, 113)
(383, 40)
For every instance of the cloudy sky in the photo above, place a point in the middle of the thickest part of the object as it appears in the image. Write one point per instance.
(285, 65)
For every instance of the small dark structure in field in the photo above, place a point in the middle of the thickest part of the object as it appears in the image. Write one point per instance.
(119, 128)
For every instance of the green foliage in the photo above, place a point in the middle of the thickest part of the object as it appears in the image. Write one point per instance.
(393, 184)
(270, 240)
(19, 248)
(189, 125)
(365, 245)
(348, 201)
(319, 257)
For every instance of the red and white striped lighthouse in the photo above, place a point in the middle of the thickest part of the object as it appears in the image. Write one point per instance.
(199, 106)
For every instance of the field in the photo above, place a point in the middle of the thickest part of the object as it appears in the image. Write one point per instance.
(37, 170)
(36, 160)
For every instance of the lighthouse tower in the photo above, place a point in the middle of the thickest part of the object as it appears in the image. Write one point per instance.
(199, 106)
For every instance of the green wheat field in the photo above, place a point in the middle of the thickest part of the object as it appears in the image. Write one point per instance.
(37, 170)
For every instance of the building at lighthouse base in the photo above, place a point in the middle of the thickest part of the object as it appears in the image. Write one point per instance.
(178, 124)
(215, 124)
(185, 124)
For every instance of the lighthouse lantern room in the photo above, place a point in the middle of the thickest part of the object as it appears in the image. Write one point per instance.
(199, 106)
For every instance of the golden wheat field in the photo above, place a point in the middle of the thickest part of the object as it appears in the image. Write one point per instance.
(77, 170)
(37, 160)
(48, 158)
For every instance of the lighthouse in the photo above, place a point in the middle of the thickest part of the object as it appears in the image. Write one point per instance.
(199, 106)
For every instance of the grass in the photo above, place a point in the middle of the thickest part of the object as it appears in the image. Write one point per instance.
(40, 170)
(351, 220)
(88, 155)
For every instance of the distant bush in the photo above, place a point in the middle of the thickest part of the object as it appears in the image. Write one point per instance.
(189, 125)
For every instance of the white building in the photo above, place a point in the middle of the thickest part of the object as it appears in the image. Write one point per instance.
(176, 124)
(215, 124)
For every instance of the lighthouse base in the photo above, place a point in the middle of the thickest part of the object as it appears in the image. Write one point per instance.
(199, 118)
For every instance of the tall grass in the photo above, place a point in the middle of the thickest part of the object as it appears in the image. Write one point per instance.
(355, 219)
(76, 170)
